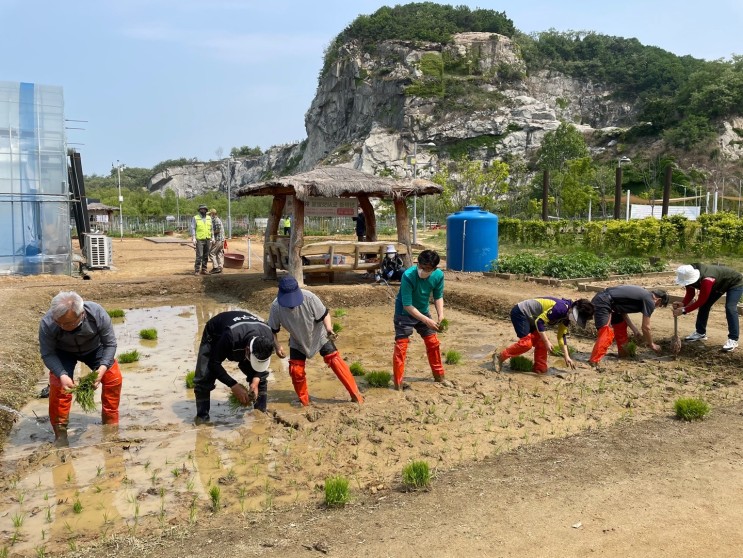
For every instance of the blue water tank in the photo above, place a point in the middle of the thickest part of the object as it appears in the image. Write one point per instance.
(471, 239)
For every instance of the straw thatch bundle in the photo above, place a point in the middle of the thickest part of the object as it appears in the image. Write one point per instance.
(339, 182)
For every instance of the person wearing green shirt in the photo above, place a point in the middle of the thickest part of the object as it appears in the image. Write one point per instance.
(417, 285)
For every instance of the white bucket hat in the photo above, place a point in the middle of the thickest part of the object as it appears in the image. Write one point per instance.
(390, 249)
(686, 275)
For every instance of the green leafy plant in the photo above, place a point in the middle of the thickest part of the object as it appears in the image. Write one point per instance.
(521, 264)
(116, 313)
(149, 334)
(452, 357)
(357, 368)
(336, 492)
(378, 378)
(337, 327)
(190, 377)
(129, 356)
(521, 364)
(339, 313)
(416, 475)
(690, 408)
(84, 392)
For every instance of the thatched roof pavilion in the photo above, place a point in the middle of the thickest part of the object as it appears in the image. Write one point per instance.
(335, 182)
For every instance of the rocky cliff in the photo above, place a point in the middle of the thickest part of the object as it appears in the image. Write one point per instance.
(372, 110)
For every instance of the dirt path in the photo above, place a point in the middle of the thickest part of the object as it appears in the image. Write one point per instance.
(657, 488)
(519, 459)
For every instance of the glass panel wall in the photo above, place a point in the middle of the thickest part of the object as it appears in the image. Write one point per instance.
(34, 201)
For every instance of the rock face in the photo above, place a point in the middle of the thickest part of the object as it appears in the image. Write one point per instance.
(372, 110)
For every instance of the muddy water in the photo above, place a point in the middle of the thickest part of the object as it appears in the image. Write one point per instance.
(157, 467)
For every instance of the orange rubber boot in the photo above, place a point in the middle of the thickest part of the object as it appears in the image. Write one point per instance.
(398, 360)
(299, 379)
(621, 337)
(433, 351)
(540, 354)
(111, 394)
(604, 340)
(518, 348)
(343, 372)
(60, 402)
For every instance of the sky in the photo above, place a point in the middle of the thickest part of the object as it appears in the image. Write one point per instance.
(164, 79)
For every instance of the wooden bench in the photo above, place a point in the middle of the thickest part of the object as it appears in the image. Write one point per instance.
(339, 255)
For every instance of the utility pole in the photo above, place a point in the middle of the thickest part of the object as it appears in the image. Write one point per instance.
(119, 168)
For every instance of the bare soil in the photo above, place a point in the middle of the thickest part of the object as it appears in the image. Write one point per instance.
(566, 464)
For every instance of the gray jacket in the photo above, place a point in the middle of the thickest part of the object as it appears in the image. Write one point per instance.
(96, 330)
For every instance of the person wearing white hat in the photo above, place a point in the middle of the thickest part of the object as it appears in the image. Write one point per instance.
(392, 266)
(240, 337)
(712, 281)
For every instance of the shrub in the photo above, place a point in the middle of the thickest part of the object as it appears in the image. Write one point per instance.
(690, 409)
(574, 266)
(629, 266)
(130, 356)
(357, 369)
(522, 264)
(416, 475)
(452, 357)
(190, 376)
(337, 328)
(378, 379)
(149, 334)
(336, 492)
(115, 313)
(521, 364)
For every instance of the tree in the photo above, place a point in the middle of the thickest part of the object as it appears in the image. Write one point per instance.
(559, 146)
(468, 182)
(246, 151)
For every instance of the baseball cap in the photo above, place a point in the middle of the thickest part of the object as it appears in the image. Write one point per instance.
(259, 365)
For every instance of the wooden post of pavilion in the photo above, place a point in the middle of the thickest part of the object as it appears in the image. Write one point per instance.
(297, 241)
(403, 227)
(272, 230)
(370, 218)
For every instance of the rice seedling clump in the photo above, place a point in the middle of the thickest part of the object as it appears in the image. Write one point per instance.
(129, 356)
(452, 357)
(84, 392)
(149, 334)
(416, 475)
(357, 369)
(336, 492)
(378, 378)
(521, 364)
(690, 408)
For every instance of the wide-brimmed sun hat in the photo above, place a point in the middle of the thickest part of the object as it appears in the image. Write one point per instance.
(202, 206)
(290, 295)
(686, 275)
(390, 249)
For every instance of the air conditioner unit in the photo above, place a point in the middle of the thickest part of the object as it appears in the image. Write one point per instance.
(98, 251)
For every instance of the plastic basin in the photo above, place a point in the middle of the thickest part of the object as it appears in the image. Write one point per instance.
(233, 261)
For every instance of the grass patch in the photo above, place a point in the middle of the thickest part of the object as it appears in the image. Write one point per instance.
(690, 408)
(357, 369)
(337, 328)
(522, 364)
(129, 356)
(190, 377)
(116, 313)
(150, 334)
(452, 357)
(443, 325)
(84, 392)
(416, 475)
(378, 378)
(336, 492)
(339, 313)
